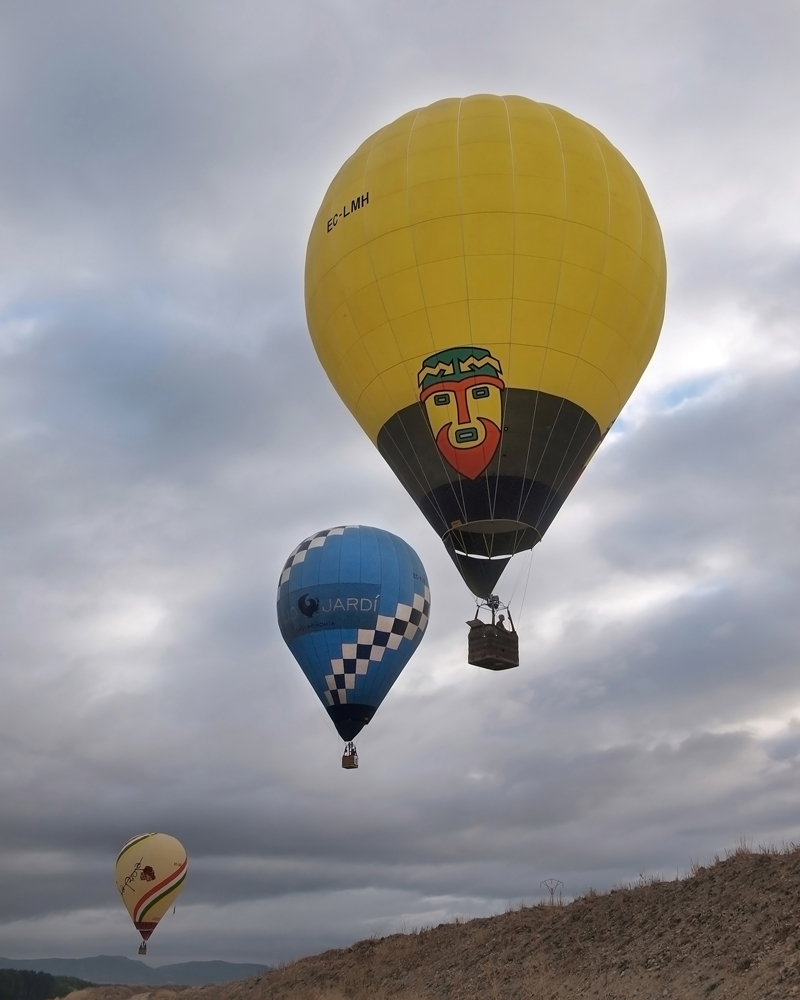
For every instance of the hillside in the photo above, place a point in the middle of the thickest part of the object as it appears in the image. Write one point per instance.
(730, 931)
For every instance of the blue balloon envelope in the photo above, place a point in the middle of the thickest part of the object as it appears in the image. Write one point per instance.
(353, 605)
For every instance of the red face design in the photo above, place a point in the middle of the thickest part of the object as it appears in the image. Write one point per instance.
(465, 418)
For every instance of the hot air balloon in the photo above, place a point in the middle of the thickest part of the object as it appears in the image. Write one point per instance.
(485, 285)
(353, 605)
(150, 872)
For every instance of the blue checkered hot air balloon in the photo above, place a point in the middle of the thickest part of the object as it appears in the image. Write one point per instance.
(353, 605)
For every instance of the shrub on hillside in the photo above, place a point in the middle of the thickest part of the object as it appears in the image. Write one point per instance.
(22, 984)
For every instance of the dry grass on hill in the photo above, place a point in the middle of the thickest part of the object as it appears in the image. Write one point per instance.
(730, 931)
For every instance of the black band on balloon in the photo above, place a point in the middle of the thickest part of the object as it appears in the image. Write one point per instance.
(350, 719)
(545, 445)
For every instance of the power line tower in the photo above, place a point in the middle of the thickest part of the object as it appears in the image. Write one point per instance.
(551, 884)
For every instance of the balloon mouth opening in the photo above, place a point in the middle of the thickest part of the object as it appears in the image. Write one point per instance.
(490, 540)
(350, 719)
(477, 555)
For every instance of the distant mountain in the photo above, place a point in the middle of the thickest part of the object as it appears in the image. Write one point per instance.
(118, 969)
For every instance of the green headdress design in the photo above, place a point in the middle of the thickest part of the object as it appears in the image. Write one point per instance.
(457, 363)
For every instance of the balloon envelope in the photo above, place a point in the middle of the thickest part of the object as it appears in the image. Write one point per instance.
(150, 873)
(353, 605)
(485, 285)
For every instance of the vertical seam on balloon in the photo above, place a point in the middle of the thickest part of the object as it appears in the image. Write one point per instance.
(555, 304)
(493, 505)
(364, 691)
(423, 486)
(344, 300)
(557, 483)
(375, 671)
(462, 505)
(490, 497)
(550, 328)
(630, 297)
(322, 657)
(335, 270)
(413, 244)
(398, 570)
(323, 665)
(368, 247)
(658, 280)
(403, 364)
(464, 255)
(642, 263)
(461, 216)
(392, 604)
(377, 612)
(427, 484)
(341, 560)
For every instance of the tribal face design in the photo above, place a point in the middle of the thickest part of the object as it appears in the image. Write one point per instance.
(462, 392)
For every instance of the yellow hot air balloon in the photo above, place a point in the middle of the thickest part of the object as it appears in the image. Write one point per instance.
(485, 285)
(150, 873)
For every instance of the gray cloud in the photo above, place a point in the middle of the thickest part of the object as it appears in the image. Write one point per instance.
(168, 437)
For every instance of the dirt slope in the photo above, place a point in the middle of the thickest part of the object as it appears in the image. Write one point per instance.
(731, 930)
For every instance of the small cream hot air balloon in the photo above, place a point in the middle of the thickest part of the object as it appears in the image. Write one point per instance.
(150, 873)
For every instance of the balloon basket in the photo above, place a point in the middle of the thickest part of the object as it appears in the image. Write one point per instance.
(350, 757)
(493, 645)
(143, 948)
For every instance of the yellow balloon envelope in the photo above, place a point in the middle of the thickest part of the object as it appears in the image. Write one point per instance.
(485, 285)
(150, 873)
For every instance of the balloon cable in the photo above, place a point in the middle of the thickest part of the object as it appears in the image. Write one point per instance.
(525, 591)
(515, 588)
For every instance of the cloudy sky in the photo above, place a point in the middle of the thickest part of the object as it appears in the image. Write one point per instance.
(167, 437)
